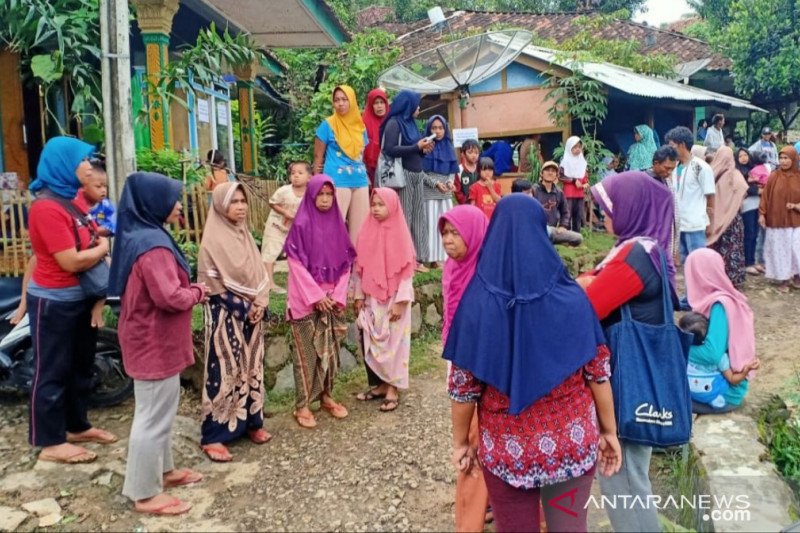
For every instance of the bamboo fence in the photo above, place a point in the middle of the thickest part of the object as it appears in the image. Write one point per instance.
(15, 244)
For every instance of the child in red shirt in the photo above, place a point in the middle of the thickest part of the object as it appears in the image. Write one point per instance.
(485, 193)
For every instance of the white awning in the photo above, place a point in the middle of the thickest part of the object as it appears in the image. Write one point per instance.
(630, 82)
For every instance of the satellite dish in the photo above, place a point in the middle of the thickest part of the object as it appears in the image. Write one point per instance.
(456, 65)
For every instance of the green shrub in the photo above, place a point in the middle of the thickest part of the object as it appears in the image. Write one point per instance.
(169, 163)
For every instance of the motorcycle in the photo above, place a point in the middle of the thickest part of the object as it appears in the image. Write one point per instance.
(110, 384)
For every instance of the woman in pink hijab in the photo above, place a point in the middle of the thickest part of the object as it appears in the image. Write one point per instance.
(384, 293)
(723, 358)
(463, 229)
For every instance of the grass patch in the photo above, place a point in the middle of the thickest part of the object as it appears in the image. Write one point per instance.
(780, 434)
(676, 473)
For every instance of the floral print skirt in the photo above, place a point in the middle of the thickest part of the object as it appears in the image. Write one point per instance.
(233, 395)
(730, 246)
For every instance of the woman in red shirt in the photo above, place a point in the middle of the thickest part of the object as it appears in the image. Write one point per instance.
(151, 275)
(64, 245)
(640, 212)
(545, 410)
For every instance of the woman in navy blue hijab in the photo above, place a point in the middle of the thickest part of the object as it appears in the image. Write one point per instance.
(400, 138)
(527, 348)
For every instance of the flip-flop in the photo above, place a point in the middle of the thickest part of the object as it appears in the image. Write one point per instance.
(305, 421)
(217, 452)
(336, 410)
(180, 506)
(388, 405)
(186, 477)
(100, 436)
(369, 396)
(259, 436)
(79, 457)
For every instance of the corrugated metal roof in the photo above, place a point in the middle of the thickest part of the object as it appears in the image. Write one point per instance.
(642, 85)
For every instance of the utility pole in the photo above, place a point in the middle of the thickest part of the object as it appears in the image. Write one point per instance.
(116, 71)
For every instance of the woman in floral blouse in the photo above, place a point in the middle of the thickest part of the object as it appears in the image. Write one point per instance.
(540, 388)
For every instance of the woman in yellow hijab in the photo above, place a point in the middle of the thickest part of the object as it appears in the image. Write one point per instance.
(338, 152)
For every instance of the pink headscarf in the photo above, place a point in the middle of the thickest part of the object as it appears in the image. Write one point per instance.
(384, 250)
(471, 224)
(707, 284)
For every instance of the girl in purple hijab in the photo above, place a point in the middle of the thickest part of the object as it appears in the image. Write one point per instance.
(320, 255)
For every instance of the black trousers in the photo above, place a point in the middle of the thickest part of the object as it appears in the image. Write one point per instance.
(64, 343)
(372, 377)
(575, 206)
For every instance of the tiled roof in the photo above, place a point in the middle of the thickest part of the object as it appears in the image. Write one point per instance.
(374, 15)
(559, 27)
(681, 25)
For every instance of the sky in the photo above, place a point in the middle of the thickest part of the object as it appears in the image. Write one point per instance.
(659, 11)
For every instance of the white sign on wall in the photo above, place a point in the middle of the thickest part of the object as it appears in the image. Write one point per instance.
(222, 113)
(203, 111)
(463, 134)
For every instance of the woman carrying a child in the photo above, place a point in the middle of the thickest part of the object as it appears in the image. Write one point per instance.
(230, 265)
(65, 244)
(723, 358)
(338, 153)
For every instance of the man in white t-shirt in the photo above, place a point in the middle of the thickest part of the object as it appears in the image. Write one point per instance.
(694, 192)
(715, 137)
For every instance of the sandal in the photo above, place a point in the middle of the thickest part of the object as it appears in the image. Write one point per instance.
(172, 507)
(761, 268)
(81, 456)
(305, 421)
(336, 410)
(183, 477)
(421, 268)
(259, 436)
(389, 404)
(369, 396)
(783, 289)
(100, 436)
(752, 271)
(217, 452)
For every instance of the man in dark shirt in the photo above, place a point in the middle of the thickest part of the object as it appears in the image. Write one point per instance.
(552, 199)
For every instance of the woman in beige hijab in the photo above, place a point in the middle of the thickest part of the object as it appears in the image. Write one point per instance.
(230, 265)
(727, 228)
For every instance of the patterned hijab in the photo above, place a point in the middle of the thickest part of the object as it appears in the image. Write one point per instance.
(348, 129)
(640, 155)
(229, 259)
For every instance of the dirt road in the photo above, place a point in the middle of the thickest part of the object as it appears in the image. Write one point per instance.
(372, 471)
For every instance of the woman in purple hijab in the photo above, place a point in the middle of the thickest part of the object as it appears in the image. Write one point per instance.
(320, 255)
(639, 211)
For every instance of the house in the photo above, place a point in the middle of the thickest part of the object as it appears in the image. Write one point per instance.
(159, 30)
(513, 103)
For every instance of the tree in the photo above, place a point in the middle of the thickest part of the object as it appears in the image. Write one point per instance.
(762, 39)
(716, 12)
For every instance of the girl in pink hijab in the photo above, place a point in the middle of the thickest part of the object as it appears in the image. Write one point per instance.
(463, 229)
(722, 362)
(385, 263)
